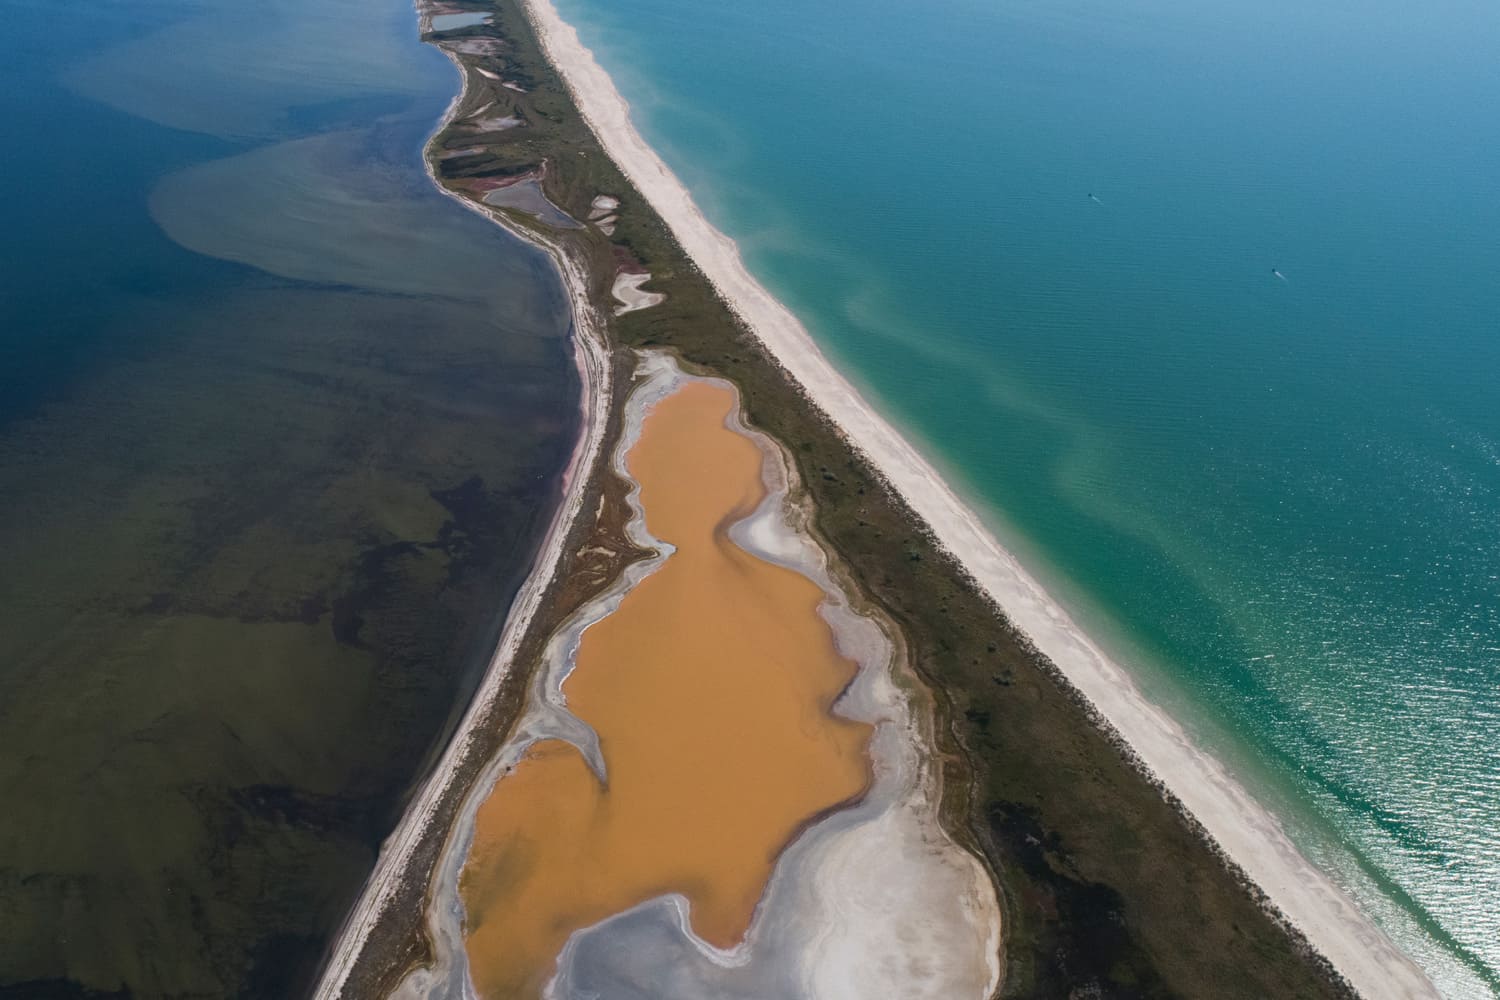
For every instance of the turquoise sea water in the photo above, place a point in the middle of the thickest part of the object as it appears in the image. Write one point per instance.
(1042, 236)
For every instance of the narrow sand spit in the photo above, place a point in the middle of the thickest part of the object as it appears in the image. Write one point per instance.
(927, 928)
(1250, 835)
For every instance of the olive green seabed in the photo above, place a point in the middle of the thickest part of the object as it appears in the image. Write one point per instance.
(257, 550)
(247, 585)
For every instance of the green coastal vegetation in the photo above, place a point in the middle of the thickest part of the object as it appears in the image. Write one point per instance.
(1107, 888)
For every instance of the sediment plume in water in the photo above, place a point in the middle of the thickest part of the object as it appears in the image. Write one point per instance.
(711, 689)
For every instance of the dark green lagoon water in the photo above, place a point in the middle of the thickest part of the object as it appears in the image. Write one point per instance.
(1277, 497)
(279, 429)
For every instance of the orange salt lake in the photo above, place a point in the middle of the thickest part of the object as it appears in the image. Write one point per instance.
(711, 689)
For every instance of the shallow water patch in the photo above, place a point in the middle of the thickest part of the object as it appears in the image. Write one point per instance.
(526, 196)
